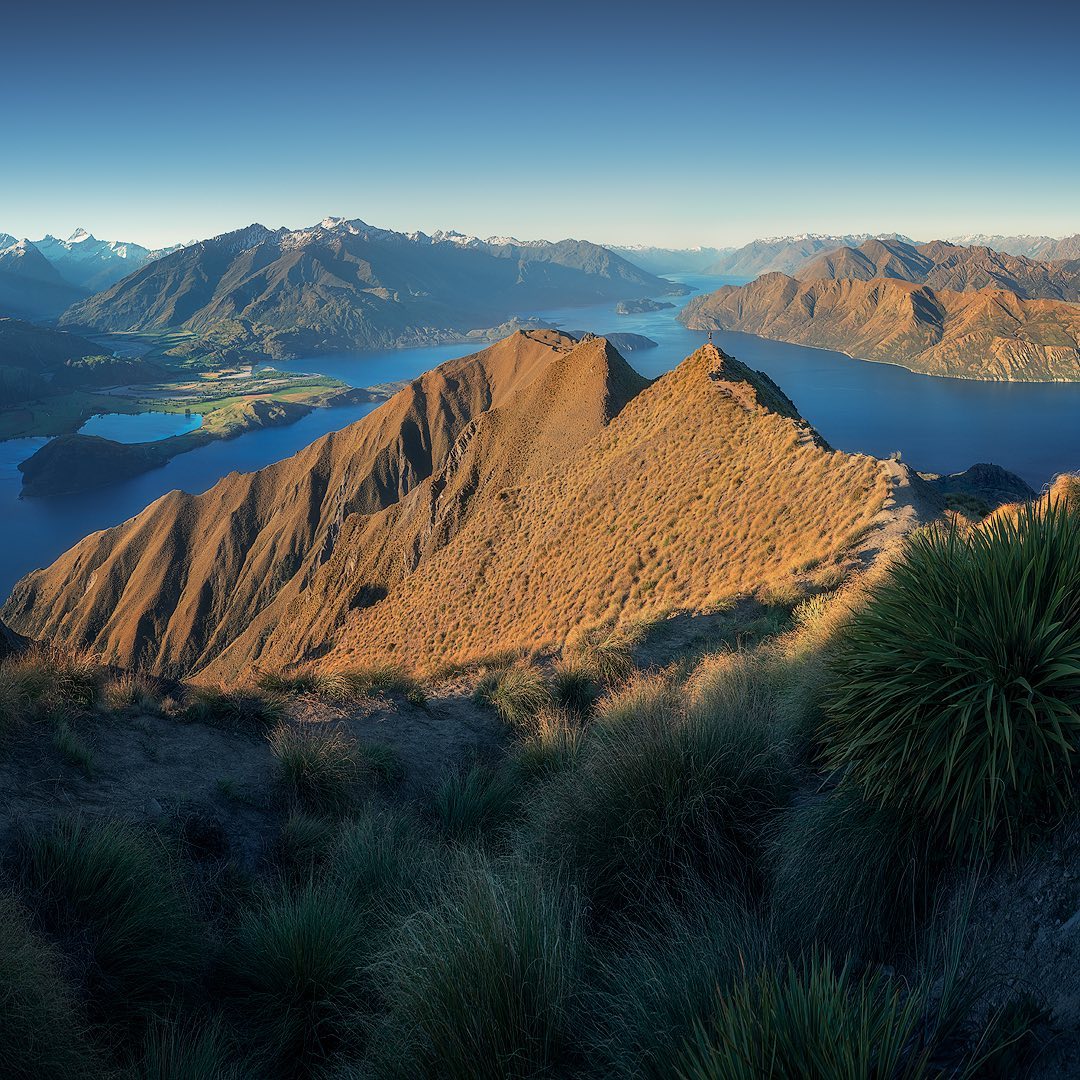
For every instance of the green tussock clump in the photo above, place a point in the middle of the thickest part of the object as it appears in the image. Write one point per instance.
(517, 692)
(42, 1033)
(43, 684)
(320, 766)
(550, 742)
(479, 801)
(846, 876)
(811, 1021)
(482, 986)
(73, 749)
(956, 690)
(573, 686)
(295, 972)
(113, 893)
(183, 1049)
(345, 685)
(664, 980)
(244, 709)
(662, 790)
(606, 656)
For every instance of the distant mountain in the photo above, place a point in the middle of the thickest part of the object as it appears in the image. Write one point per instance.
(784, 254)
(984, 334)
(1047, 248)
(507, 499)
(948, 266)
(30, 286)
(345, 285)
(93, 264)
(661, 260)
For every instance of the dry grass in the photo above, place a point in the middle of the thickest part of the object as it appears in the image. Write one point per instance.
(692, 495)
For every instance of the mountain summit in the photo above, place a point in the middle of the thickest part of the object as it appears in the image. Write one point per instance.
(508, 498)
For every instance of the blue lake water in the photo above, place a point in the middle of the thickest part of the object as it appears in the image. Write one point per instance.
(938, 425)
(140, 427)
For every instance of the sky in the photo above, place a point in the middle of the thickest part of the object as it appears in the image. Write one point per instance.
(673, 125)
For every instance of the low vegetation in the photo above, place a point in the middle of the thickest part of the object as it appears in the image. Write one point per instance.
(738, 865)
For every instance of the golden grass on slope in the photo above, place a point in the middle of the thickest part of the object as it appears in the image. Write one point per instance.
(693, 494)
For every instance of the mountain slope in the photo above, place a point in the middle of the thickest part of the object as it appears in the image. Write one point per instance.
(948, 266)
(30, 286)
(502, 499)
(1033, 247)
(92, 264)
(780, 254)
(346, 285)
(984, 334)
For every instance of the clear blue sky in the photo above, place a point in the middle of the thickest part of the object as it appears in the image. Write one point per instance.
(668, 123)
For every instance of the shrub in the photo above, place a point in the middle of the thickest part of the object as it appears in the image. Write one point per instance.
(244, 709)
(183, 1050)
(475, 802)
(517, 693)
(111, 889)
(811, 1021)
(320, 765)
(846, 876)
(40, 1030)
(295, 970)
(482, 986)
(666, 977)
(956, 697)
(660, 791)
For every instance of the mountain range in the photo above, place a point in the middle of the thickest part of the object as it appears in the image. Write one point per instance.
(987, 333)
(782, 254)
(1048, 248)
(943, 265)
(343, 285)
(509, 498)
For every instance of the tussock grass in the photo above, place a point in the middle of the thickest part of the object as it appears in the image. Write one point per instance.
(112, 894)
(241, 709)
(306, 841)
(73, 748)
(550, 742)
(812, 1020)
(344, 685)
(482, 986)
(131, 691)
(517, 692)
(605, 655)
(320, 764)
(665, 978)
(42, 1031)
(295, 972)
(184, 1049)
(846, 876)
(381, 856)
(46, 684)
(476, 802)
(573, 687)
(956, 697)
(662, 791)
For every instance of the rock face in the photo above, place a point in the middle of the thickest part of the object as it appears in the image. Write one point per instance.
(948, 266)
(985, 334)
(506, 498)
(346, 285)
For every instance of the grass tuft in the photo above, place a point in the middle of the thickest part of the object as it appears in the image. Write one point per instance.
(320, 766)
(479, 801)
(956, 697)
(482, 986)
(517, 692)
(245, 709)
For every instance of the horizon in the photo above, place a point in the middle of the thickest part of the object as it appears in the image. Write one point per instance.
(620, 130)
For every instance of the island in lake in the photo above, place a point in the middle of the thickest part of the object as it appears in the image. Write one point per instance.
(640, 307)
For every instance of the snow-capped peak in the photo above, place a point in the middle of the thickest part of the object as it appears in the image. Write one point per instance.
(78, 236)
